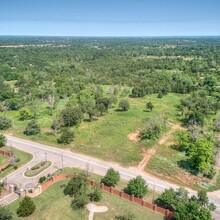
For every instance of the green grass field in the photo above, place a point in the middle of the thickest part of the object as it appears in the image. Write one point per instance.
(120, 186)
(21, 155)
(3, 160)
(106, 137)
(54, 201)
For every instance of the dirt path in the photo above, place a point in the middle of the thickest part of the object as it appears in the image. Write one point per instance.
(165, 140)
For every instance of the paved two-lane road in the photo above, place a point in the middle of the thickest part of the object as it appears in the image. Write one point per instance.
(63, 158)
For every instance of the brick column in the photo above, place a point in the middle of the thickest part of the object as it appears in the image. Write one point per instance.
(121, 193)
(111, 189)
(132, 198)
(93, 183)
(102, 186)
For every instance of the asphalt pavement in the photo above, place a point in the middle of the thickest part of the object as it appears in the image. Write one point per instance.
(63, 158)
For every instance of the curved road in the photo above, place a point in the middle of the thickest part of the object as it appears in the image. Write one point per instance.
(64, 158)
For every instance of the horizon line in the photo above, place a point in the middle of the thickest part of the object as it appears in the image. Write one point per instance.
(107, 36)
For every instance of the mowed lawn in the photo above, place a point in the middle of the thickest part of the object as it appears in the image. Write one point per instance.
(106, 137)
(3, 160)
(53, 204)
(21, 155)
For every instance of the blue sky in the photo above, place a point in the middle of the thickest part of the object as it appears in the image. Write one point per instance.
(110, 17)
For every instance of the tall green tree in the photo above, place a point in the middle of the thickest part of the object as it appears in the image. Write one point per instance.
(149, 106)
(111, 178)
(72, 116)
(137, 187)
(32, 128)
(26, 207)
(5, 214)
(2, 140)
(201, 154)
(5, 123)
(124, 104)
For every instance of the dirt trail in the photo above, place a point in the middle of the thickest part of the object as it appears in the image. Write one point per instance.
(163, 141)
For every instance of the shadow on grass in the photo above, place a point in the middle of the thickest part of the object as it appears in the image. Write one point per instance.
(88, 120)
(186, 166)
(167, 218)
(145, 110)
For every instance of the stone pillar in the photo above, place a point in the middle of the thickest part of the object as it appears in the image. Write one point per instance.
(38, 189)
(11, 188)
(22, 192)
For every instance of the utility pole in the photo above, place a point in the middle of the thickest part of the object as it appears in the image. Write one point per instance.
(62, 159)
(12, 155)
(153, 193)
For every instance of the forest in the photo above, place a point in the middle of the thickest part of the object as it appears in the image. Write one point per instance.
(89, 94)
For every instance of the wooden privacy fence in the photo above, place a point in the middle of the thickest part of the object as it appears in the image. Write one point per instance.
(113, 191)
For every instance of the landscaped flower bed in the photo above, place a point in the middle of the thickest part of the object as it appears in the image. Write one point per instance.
(38, 168)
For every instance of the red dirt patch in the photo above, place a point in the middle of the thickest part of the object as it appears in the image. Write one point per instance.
(134, 137)
(165, 140)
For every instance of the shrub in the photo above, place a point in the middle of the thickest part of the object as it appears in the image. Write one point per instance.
(42, 179)
(126, 216)
(26, 207)
(5, 214)
(137, 187)
(79, 201)
(72, 116)
(24, 114)
(32, 128)
(13, 103)
(96, 195)
(43, 163)
(5, 123)
(111, 178)
(2, 140)
(160, 95)
(153, 128)
(77, 185)
(124, 104)
(35, 168)
(66, 136)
